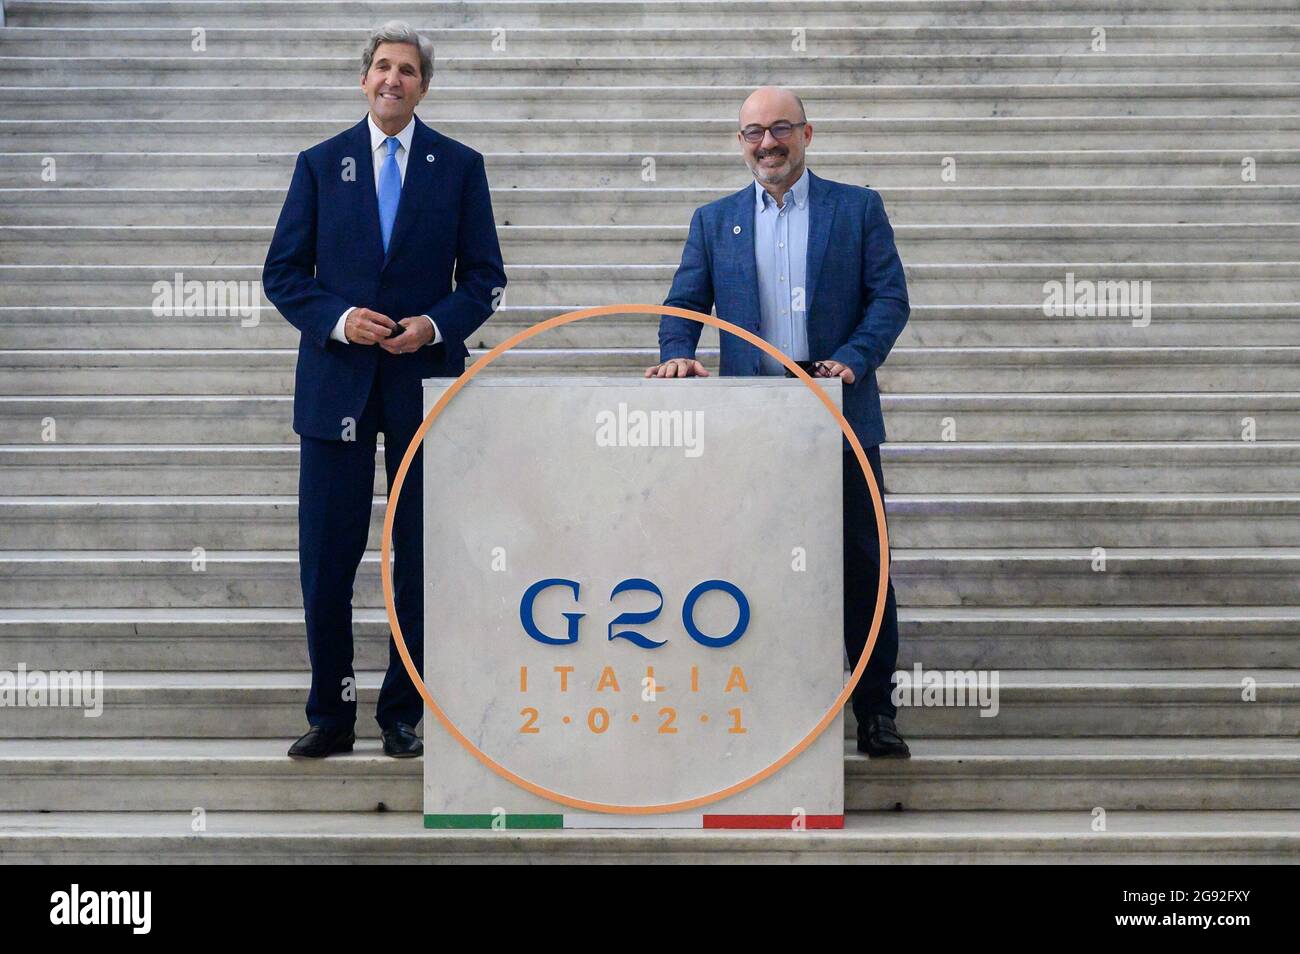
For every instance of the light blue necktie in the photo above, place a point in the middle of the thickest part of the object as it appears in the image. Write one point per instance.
(390, 191)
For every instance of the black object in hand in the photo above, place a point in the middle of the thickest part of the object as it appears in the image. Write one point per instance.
(809, 367)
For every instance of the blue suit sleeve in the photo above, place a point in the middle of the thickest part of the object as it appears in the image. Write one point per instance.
(884, 292)
(480, 273)
(289, 273)
(693, 289)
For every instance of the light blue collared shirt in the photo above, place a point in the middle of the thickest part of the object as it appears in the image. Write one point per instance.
(781, 254)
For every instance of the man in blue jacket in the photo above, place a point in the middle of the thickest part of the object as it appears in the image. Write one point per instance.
(810, 266)
(386, 258)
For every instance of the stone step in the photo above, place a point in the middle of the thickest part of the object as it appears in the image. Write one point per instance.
(1177, 327)
(220, 775)
(234, 639)
(1031, 704)
(600, 68)
(672, 13)
(965, 417)
(915, 520)
(1181, 329)
(1035, 375)
(922, 206)
(1055, 774)
(946, 467)
(457, 41)
(179, 371)
(1231, 289)
(910, 371)
(722, 171)
(966, 837)
(1067, 576)
(1081, 520)
(634, 244)
(948, 637)
(1098, 576)
(1056, 637)
(343, 102)
(598, 245)
(601, 133)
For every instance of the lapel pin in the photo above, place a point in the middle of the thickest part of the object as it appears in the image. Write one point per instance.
(735, 230)
(429, 158)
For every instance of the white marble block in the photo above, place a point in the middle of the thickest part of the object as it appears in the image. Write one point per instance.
(670, 485)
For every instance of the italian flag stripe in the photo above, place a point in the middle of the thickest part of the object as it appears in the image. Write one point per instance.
(485, 821)
(772, 821)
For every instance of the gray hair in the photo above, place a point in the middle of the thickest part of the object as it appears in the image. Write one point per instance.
(399, 31)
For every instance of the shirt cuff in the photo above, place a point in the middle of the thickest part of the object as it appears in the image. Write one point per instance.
(337, 334)
(437, 335)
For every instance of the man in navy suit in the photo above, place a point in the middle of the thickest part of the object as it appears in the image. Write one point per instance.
(377, 224)
(809, 265)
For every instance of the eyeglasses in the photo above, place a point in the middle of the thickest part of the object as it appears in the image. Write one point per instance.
(780, 131)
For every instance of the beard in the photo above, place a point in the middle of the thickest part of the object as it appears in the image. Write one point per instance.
(770, 174)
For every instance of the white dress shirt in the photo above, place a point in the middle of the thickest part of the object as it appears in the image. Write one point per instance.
(378, 156)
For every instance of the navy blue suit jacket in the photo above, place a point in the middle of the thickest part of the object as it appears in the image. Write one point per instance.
(328, 255)
(856, 295)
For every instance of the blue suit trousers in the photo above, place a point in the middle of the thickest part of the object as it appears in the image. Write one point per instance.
(335, 498)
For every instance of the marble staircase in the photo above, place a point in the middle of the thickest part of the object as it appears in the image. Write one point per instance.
(1164, 689)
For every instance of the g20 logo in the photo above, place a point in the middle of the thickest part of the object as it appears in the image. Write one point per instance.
(637, 585)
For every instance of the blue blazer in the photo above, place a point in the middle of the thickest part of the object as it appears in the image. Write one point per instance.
(856, 295)
(328, 255)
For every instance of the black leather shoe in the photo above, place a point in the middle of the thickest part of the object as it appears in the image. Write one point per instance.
(880, 739)
(401, 742)
(320, 742)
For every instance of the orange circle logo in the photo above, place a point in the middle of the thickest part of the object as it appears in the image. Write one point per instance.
(416, 678)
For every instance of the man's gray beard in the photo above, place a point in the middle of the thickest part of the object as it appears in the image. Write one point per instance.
(770, 178)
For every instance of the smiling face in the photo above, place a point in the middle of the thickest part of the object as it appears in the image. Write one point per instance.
(776, 164)
(394, 86)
